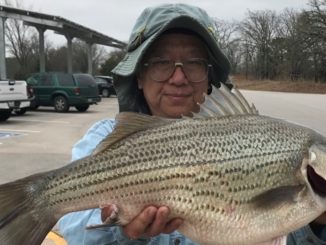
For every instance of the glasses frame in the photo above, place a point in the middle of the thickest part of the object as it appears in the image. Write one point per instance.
(179, 64)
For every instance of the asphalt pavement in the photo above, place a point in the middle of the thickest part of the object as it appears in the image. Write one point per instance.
(304, 109)
(42, 140)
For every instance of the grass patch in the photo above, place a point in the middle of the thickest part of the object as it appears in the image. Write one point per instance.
(280, 86)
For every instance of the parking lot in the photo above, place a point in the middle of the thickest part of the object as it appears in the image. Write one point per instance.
(42, 140)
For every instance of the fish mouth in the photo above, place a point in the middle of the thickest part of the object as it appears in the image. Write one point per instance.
(317, 182)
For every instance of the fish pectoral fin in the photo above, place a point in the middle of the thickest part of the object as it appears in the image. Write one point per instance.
(276, 241)
(277, 197)
(111, 220)
(104, 224)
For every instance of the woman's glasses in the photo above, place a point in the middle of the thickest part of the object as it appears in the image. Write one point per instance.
(195, 69)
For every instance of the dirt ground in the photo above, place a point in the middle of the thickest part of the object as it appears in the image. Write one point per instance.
(280, 86)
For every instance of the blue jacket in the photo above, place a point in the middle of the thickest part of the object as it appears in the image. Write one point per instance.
(72, 226)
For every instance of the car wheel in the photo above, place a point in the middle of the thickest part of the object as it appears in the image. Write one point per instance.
(112, 91)
(82, 108)
(33, 105)
(20, 111)
(60, 103)
(4, 115)
(34, 108)
(105, 93)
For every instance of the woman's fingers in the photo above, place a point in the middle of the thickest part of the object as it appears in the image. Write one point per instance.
(172, 225)
(159, 223)
(150, 222)
(138, 226)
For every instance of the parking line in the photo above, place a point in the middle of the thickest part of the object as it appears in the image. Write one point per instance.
(43, 121)
(17, 130)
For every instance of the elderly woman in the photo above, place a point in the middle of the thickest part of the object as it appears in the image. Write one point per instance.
(172, 59)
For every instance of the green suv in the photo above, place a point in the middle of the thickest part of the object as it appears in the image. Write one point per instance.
(63, 90)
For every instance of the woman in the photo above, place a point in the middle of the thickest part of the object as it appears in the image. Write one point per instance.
(172, 59)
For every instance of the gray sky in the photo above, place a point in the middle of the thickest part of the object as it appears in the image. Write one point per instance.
(115, 18)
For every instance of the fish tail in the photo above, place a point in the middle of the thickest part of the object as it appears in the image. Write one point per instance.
(24, 216)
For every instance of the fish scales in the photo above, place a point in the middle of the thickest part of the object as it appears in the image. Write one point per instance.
(224, 175)
(170, 148)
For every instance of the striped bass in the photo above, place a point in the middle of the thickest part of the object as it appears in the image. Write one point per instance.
(234, 176)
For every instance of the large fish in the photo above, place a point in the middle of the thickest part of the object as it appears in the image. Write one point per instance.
(234, 176)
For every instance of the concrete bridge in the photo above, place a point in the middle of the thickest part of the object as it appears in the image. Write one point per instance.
(59, 25)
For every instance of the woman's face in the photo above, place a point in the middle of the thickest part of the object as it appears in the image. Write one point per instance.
(175, 96)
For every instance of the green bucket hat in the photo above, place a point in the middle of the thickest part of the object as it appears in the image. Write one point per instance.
(149, 26)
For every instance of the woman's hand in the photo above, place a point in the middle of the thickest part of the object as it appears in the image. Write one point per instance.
(150, 222)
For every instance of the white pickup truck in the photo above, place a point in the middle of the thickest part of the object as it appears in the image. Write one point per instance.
(14, 95)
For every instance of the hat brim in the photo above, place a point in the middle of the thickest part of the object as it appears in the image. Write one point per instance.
(128, 66)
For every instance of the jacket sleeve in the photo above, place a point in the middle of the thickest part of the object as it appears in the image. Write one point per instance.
(308, 235)
(72, 226)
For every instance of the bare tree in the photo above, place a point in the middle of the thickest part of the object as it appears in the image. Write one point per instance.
(315, 30)
(258, 30)
(80, 58)
(316, 16)
(22, 42)
(289, 46)
(56, 59)
(229, 41)
(115, 57)
(247, 51)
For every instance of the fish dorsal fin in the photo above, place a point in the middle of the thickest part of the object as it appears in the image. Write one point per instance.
(128, 123)
(222, 102)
